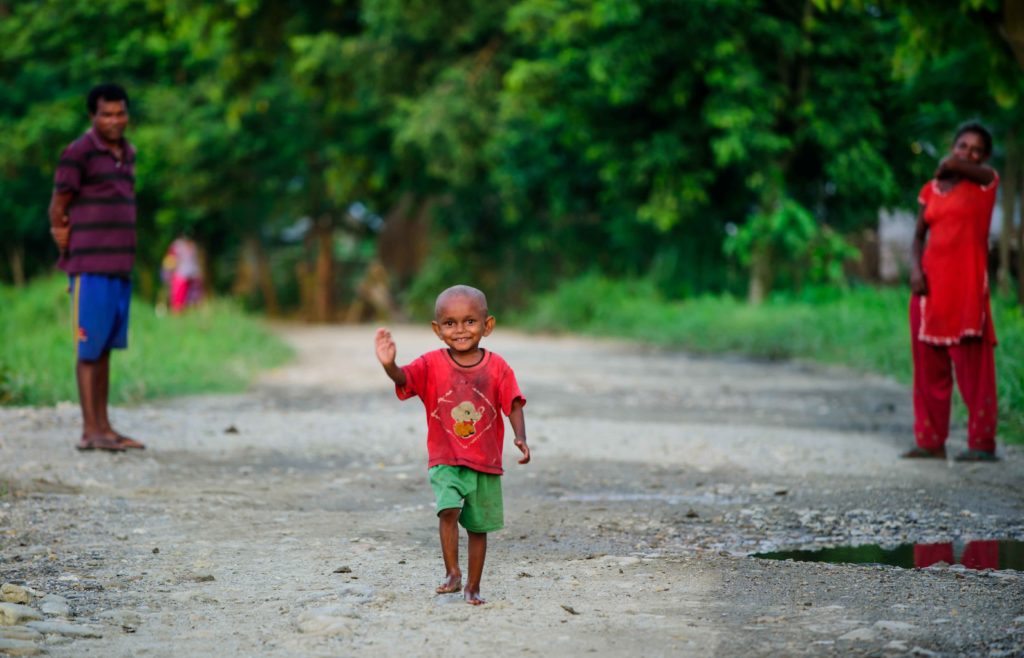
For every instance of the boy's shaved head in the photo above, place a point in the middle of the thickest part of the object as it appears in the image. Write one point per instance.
(474, 294)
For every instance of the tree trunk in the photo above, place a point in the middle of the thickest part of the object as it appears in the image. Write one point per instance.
(16, 258)
(324, 295)
(1013, 28)
(761, 274)
(266, 280)
(253, 273)
(1009, 204)
(1020, 248)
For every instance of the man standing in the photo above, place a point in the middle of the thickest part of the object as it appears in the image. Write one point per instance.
(92, 220)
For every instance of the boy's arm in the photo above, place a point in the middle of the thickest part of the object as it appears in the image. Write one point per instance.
(386, 352)
(518, 422)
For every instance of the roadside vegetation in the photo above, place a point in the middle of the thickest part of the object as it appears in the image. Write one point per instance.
(862, 328)
(214, 349)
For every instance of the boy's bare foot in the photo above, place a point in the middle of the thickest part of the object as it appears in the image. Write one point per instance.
(452, 583)
(473, 598)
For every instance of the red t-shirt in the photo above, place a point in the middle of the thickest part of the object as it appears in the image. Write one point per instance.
(955, 262)
(464, 407)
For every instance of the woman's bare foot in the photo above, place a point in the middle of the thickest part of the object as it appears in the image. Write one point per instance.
(473, 597)
(452, 583)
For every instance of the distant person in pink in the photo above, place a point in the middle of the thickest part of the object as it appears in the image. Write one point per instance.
(183, 274)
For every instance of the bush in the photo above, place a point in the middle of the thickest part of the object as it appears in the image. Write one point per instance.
(215, 348)
(862, 328)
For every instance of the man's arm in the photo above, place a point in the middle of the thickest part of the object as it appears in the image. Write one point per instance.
(60, 225)
(518, 422)
(950, 166)
(918, 282)
(386, 352)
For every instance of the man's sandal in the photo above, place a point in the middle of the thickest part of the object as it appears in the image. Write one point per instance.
(917, 452)
(976, 456)
(100, 443)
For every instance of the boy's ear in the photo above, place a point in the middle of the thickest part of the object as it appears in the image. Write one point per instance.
(436, 327)
(488, 325)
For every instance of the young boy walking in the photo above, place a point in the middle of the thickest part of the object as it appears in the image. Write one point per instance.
(464, 389)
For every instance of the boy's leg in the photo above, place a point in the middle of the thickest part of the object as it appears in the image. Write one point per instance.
(477, 555)
(449, 532)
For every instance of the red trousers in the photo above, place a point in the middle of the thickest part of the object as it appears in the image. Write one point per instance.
(973, 359)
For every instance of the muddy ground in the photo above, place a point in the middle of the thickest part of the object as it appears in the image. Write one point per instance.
(296, 519)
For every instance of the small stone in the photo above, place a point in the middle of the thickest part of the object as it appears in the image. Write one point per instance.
(19, 633)
(894, 626)
(570, 609)
(19, 648)
(13, 614)
(122, 618)
(343, 570)
(858, 635)
(896, 645)
(328, 620)
(63, 628)
(55, 606)
(156, 550)
(12, 593)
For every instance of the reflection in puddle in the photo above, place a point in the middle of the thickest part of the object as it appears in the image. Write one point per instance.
(987, 554)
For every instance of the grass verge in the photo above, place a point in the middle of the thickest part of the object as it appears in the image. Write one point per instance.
(214, 349)
(862, 328)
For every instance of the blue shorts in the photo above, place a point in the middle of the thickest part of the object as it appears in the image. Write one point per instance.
(99, 313)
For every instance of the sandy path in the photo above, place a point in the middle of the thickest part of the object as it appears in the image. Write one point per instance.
(654, 475)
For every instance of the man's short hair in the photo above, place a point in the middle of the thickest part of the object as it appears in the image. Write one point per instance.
(107, 91)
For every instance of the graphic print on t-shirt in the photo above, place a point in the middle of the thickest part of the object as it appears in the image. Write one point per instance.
(464, 412)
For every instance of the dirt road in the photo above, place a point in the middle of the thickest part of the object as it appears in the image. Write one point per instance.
(296, 519)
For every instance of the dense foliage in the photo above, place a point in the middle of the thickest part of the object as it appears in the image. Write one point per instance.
(710, 145)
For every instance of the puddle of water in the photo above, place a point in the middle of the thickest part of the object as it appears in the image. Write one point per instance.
(986, 554)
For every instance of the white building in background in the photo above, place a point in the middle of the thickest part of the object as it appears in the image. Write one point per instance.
(896, 232)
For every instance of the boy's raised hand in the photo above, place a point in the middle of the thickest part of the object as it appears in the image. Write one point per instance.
(385, 346)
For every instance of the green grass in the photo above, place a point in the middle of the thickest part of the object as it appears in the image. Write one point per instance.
(862, 328)
(213, 349)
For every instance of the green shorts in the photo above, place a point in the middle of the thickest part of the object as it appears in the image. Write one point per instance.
(478, 494)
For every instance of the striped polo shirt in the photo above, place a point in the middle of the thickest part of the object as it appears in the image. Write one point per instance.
(102, 212)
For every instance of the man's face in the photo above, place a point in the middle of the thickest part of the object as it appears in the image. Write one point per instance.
(110, 120)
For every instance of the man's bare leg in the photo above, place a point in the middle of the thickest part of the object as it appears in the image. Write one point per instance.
(103, 404)
(448, 528)
(88, 374)
(477, 554)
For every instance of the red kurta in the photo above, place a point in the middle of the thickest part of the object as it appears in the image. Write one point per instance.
(955, 262)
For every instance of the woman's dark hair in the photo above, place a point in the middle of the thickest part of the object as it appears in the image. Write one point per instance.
(109, 92)
(979, 130)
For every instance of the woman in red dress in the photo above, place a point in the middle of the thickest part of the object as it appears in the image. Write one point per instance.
(950, 317)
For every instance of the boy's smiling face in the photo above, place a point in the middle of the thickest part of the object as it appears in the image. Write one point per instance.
(461, 323)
